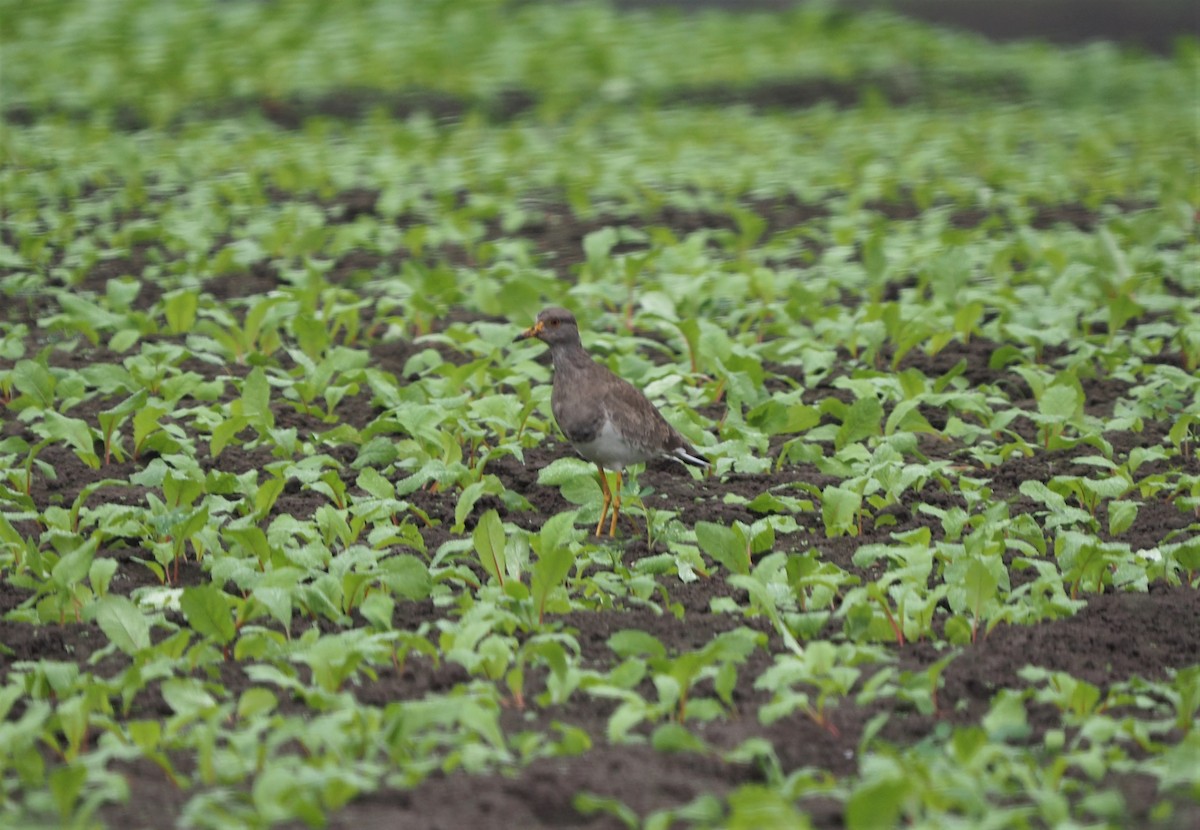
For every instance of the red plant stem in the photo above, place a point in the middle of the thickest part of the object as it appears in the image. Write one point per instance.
(887, 612)
(820, 720)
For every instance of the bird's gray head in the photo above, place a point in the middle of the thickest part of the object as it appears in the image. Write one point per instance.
(554, 326)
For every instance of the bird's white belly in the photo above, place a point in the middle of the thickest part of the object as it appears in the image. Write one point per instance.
(611, 450)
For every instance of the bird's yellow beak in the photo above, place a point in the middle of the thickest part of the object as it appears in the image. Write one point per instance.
(533, 331)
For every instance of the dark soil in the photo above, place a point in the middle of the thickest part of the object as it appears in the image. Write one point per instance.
(1117, 636)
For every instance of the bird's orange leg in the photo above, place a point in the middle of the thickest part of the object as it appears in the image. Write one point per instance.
(607, 499)
(616, 496)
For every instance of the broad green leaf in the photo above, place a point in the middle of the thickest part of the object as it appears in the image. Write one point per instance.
(266, 495)
(124, 340)
(1004, 355)
(488, 538)
(634, 642)
(277, 601)
(208, 611)
(100, 574)
(187, 696)
(35, 380)
(1060, 401)
(875, 803)
(675, 737)
(145, 423)
(557, 531)
(195, 521)
(256, 399)
(109, 418)
(1121, 516)
(224, 432)
(839, 510)
(71, 569)
(734, 645)
(759, 807)
(66, 786)
(589, 804)
(980, 586)
(1180, 430)
(864, 419)
(1038, 491)
(256, 701)
(874, 257)
(75, 433)
(726, 681)
(181, 491)
(145, 734)
(1007, 719)
(726, 545)
(489, 485)
(907, 417)
(249, 540)
(406, 576)
(123, 623)
(311, 334)
(966, 319)
(549, 572)
(471, 494)
(377, 608)
(564, 470)
(377, 452)
(1107, 488)
(974, 583)
(597, 245)
(371, 481)
(773, 417)
(180, 308)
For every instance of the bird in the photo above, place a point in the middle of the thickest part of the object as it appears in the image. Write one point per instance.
(606, 418)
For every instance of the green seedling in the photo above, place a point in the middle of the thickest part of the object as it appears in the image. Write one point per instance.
(257, 334)
(1060, 405)
(65, 588)
(1086, 562)
(554, 563)
(827, 671)
(488, 538)
(180, 308)
(974, 584)
(110, 421)
(675, 677)
(34, 383)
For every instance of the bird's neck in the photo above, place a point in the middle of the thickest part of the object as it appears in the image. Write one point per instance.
(571, 355)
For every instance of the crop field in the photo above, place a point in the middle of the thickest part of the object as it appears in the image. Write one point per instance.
(289, 536)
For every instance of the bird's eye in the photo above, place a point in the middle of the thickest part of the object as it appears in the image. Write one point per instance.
(554, 322)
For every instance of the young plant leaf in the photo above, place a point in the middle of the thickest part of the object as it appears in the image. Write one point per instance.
(33, 380)
(488, 538)
(839, 510)
(124, 624)
(726, 545)
(864, 419)
(207, 610)
(1121, 516)
(549, 572)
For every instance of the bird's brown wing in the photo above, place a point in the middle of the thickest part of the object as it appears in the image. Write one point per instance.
(588, 394)
(640, 422)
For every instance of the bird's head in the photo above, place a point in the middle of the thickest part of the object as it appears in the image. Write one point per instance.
(553, 326)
